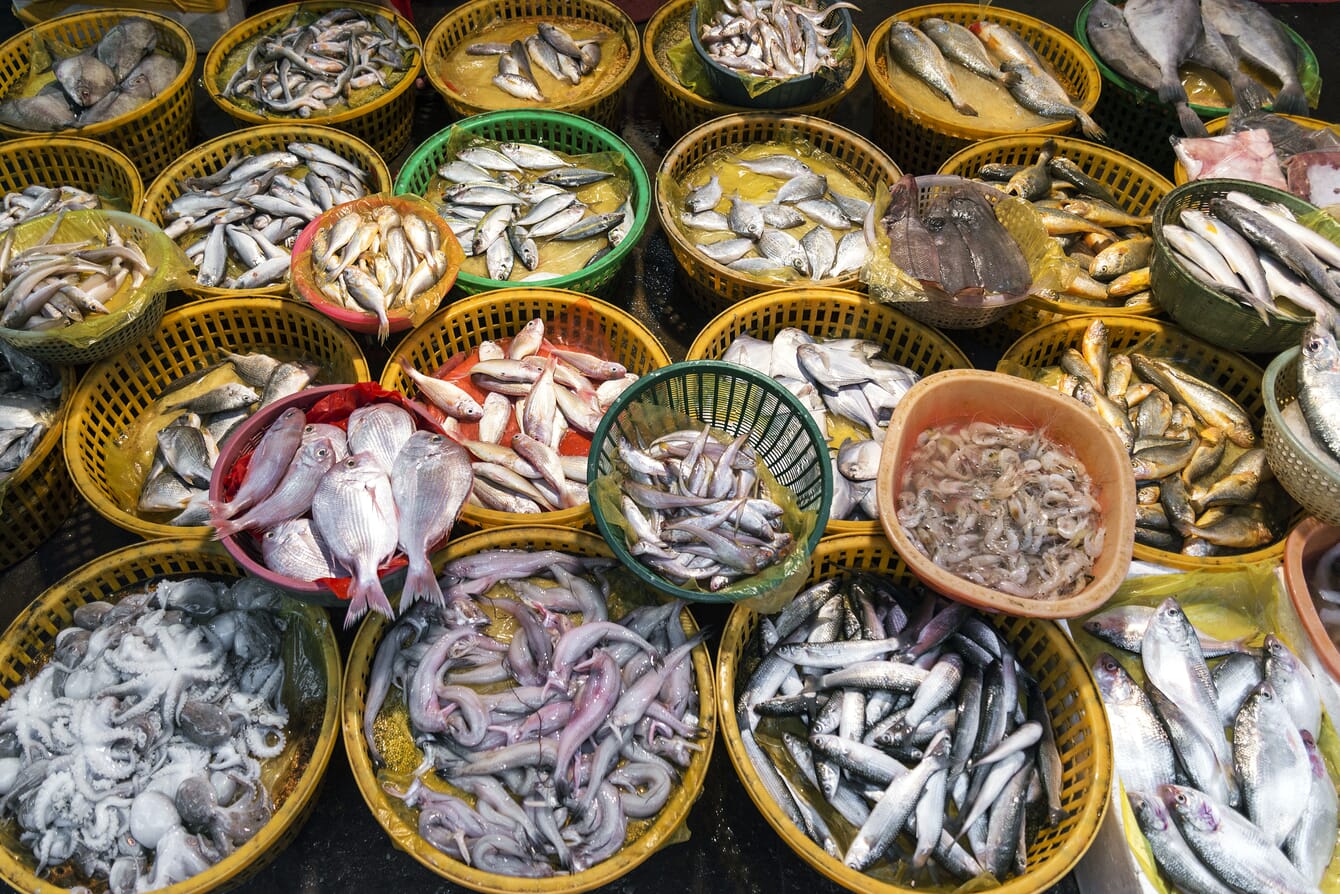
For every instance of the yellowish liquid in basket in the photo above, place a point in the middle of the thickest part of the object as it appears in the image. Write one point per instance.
(996, 109)
(471, 77)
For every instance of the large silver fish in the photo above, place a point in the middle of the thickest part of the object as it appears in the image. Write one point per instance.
(430, 480)
(1319, 385)
(354, 513)
(916, 53)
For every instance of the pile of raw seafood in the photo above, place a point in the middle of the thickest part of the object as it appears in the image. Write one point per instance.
(136, 752)
(1004, 74)
(525, 408)
(547, 732)
(899, 731)
(76, 88)
(554, 212)
(1202, 484)
(774, 39)
(552, 49)
(773, 211)
(36, 200)
(30, 399)
(850, 392)
(555, 60)
(345, 495)
(322, 64)
(1252, 814)
(1270, 149)
(238, 223)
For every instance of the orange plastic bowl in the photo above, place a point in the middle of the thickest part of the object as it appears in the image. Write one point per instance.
(1305, 546)
(302, 278)
(961, 395)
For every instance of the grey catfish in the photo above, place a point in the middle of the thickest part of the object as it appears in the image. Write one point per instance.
(1168, 31)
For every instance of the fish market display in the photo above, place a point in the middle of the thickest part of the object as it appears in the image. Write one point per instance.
(525, 408)
(135, 755)
(1110, 245)
(319, 63)
(912, 720)
(51, 285)
(1240, 155)
(552, 50)
(238, 224)
(1004, 507)
(955, 246)
(696, 510)
(850, 392)
(35, 200)
(1202, 484)
(1268, 148)
(555, 730)
(554, 61)
(1213, 53)
(1254, 253)
(378, 260)
(121, 72)
(771, 38)
(1255, 813)
(30, 397)
(346, 494)
(775, 211)
(984, 71)
(525, 213)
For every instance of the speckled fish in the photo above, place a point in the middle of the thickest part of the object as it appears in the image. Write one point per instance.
(911, 49)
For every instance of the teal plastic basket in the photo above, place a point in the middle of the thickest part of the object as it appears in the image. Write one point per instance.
(733, 400)
(560, 132)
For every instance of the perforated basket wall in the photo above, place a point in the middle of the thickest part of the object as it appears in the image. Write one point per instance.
(71, 161)
(39, 494)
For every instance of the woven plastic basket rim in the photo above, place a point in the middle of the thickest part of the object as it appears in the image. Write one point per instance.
(627, 30)
(680, 370)
(641, 188)
(957, 129)
(1286, 362)
(690, 787)
(226, 44)
(182, 79)
(666, 81)
(118, 159)
(1094, 808)
(262, 845)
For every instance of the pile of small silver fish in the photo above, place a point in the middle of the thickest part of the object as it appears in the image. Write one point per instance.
(901, 711)
(1152, 43)
(556, 727)
(134, 754)
(251, 210)
(762, 244)
(507, 201)
(1256, 814)
(1202, 483)
(1254, 252)
(1002, 506)
(378, 260)
(315, 67)
(30, 396)
(121, 72)
(552, 48)
(535, 393)
(1315, 416)
(50, 285)
(696, 510)
(844, 385)
(986, 50)
(771, 38)
(36, 200)
(955, 244)
(1110, 246)
(329, 501)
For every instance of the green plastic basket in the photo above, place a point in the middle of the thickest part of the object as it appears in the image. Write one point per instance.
(732, 399)
(561, 132)
(1200, 309)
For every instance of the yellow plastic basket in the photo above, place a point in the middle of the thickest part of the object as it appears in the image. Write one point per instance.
(384, 123)
(401, 823)
(832, 313)
(1135, 185)
(1231, 373)
(152, 135)
(579, 319)
(711, 286)
(920, 141)
(1046, 654)
(113, 394)
(682, 109)
(28, 643)
(1216, 127)
(37, 498)
(209, 157)
(71, 161)
(603, 104)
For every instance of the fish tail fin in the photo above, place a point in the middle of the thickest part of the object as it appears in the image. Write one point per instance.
(1191, 124)
(225, 526)
(365, 592)
(421, 582)
(1091, 128)
(964, 109)
(383, 326)
(1249, 94)
(1171, 90)
(1291, 100)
